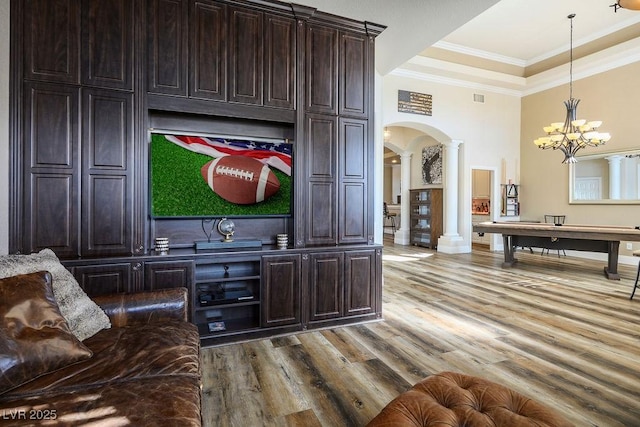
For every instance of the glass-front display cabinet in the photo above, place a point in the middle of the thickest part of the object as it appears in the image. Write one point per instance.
(425, 217)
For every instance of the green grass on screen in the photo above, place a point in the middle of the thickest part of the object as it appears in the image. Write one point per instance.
(178, 189)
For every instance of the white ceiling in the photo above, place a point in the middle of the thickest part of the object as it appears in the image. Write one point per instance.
(534, 30)
(518, 33)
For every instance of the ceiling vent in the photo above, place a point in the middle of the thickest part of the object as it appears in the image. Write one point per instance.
(478, 98)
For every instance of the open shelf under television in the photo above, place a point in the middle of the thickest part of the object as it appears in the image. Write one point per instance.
(227, 295)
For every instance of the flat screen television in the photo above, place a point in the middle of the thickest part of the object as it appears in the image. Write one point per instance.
(184, 169)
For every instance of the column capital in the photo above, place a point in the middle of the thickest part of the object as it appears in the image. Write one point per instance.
(406, 155)
(616, 158)
(454, 143)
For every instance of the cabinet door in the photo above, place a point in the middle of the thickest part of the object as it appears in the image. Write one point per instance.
(167, 48)
(107, 182)
(321, 168)
(322, 70)
(245, 56)
(280, 62)
(168, 274)
(353, 194)
(280, 290)
(354, 74)
(360, 282)
(436, 216)
(107, 43)
(208, 54)
(326, 286)
(51, 40)
(106, 279)
(51, 201)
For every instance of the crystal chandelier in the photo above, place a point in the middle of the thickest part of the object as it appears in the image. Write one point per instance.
(573, 134)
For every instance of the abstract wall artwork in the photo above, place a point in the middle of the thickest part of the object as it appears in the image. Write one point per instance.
(432, 164)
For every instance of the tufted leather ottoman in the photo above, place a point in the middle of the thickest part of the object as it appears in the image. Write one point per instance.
(453, 399)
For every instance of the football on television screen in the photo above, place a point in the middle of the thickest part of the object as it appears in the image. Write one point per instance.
(205, 177)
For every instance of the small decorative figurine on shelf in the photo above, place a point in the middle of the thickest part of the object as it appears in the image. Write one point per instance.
(226, 227)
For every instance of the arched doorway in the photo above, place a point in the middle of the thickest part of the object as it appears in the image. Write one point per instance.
(405, 143)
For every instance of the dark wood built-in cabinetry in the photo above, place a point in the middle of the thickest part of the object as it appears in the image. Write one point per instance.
(251, 293)
(91, 78)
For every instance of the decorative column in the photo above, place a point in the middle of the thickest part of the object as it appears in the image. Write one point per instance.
(615, 175)
(402, 234)
(451, 242)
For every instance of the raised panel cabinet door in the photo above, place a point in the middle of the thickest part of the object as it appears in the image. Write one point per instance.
(105, 279)
(354, 74)
(168, 274)
(360, 282)
(321, 213)
(208, 50)
(51, 204)
(107, 183)
(321, 154)
(322, 70)
(352, 218)
(107, 43)
(326, 286)
(280, 62)
(321, 136)
(52, 40)
(167, 50)
(353, 153)
(280, 290)
(245, 56)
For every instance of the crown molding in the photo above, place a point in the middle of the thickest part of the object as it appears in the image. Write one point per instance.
(606, 60)
(444, 72)
(433, 78)
(465, 50)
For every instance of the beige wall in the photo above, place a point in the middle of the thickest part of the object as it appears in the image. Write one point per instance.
(614, 98)
(489, 132)
(387, 184)
(4, 126)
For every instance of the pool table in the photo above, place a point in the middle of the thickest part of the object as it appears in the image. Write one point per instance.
(590, 238)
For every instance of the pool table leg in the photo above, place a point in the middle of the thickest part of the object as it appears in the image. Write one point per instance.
(611, 270)
(509, 251)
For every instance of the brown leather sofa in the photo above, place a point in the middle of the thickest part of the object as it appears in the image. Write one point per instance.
(144, 371)
(454, 399)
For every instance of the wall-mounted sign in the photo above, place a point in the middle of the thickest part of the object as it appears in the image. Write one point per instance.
(414, 102)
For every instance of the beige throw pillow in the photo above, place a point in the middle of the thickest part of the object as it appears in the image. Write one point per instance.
(84, 317)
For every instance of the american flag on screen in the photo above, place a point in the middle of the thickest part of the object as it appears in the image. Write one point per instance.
(274, 154)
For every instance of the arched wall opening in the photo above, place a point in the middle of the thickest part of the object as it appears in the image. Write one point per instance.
(405, 168)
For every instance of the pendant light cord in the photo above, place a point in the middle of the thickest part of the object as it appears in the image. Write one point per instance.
(573, 15)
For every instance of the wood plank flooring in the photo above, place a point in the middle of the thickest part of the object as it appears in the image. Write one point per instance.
(551, 328)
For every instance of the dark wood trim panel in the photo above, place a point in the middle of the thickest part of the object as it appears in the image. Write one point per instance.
(204, 107)
(16, 144)
(140, 134)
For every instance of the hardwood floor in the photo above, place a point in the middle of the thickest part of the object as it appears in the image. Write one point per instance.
(551, 328)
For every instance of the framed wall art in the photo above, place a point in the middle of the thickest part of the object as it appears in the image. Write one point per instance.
(432, 164)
